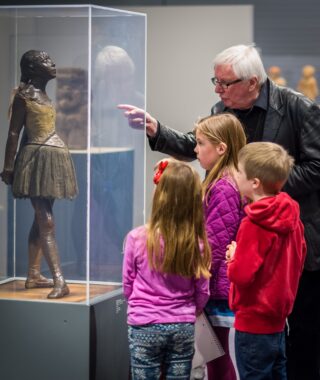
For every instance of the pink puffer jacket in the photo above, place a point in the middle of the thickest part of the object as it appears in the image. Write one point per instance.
(223, 213)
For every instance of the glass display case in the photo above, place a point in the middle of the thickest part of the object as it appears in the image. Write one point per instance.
(100, 57)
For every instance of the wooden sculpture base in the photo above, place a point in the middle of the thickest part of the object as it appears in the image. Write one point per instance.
(15, 290)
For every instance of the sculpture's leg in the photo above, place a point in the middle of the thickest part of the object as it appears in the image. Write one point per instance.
(45, 223)
(35, 278)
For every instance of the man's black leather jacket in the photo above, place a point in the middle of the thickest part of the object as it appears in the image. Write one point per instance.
(293, 121)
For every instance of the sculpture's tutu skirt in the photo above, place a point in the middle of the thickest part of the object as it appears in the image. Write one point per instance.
(44, 171)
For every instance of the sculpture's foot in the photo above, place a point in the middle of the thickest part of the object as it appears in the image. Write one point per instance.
(60, 289)
(38, 282)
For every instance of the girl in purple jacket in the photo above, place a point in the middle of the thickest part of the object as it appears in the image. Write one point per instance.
(165, 276)
(219, 139)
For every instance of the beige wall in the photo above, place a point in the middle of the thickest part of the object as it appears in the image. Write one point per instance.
(181, 44)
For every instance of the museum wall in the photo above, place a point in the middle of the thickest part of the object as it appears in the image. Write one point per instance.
(284, 31)
(280, 27)
(179, 64)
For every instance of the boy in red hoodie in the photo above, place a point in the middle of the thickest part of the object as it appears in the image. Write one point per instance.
(265, 263)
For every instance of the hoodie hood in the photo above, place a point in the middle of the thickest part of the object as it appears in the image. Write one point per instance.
(279, 213)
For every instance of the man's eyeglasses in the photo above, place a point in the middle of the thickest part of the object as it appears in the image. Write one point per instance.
(224, 85)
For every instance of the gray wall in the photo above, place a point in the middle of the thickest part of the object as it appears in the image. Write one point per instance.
(179, 64)
(286, 27)
(286, 31)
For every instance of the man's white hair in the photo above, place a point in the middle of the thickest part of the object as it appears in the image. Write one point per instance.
(245, 61)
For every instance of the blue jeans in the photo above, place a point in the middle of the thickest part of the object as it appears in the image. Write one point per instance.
(260, 356)
(166, 348)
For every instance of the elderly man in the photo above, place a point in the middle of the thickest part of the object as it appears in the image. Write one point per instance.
(277, 114)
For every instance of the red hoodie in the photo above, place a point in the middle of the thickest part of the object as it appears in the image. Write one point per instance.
(267, 265)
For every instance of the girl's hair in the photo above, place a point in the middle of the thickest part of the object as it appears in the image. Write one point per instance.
(177, 219)
(222, 128)
(245, 61)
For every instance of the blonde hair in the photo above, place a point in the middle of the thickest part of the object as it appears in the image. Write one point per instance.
(177, 218)
(222, 128)
(267, 161)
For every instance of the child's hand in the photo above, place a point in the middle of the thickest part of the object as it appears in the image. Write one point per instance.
(231, 248)
(198, 313)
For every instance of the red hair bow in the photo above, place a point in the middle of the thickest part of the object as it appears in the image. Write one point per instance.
(162, 165)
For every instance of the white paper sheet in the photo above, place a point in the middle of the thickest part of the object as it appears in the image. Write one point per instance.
(207, 345)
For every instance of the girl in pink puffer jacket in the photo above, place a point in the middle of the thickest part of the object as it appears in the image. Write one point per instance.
(219, 139)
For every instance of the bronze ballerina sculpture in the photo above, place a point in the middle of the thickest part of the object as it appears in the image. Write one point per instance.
(42, 170)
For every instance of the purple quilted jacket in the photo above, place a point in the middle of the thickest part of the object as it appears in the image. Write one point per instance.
(223, 213)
